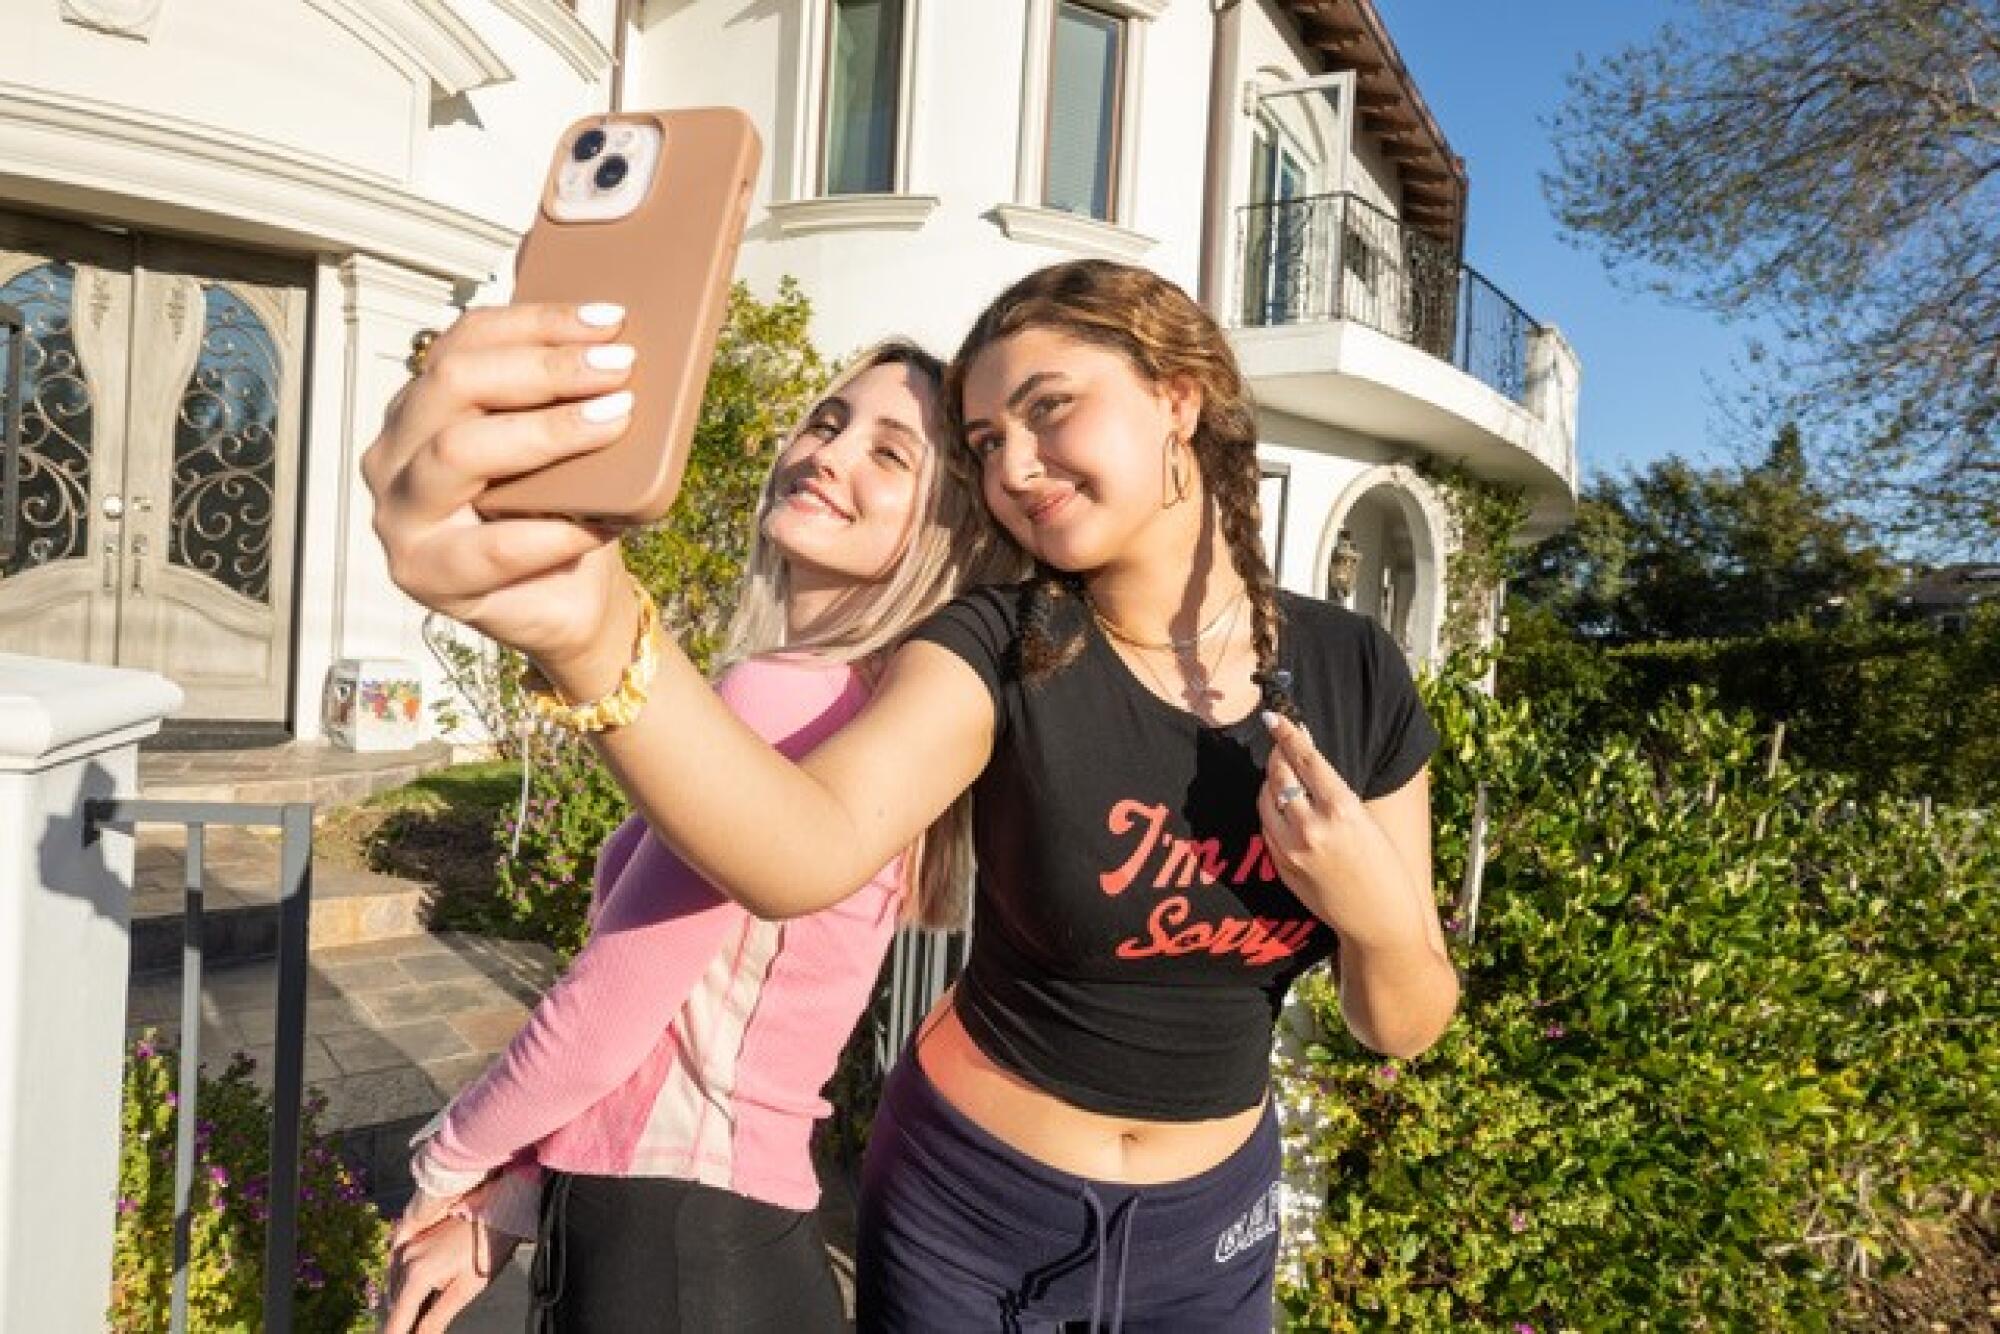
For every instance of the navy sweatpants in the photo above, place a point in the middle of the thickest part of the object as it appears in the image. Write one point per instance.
(961, 1233)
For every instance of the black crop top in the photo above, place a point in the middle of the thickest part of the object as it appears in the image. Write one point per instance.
(1132, 942)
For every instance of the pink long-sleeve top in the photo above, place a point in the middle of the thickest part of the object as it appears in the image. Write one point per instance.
(688, 1038)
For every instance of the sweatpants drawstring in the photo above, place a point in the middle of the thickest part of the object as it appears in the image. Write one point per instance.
(1124, 1255)
(1104, 1226)
(551, 1269)
(1096, 1207)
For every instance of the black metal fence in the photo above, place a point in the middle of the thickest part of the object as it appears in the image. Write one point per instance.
(281, 1231)
(1339, 257)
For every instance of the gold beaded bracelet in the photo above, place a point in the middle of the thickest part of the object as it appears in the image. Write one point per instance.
(625, 700)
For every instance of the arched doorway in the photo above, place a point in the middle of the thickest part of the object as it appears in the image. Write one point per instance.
(1383, 556)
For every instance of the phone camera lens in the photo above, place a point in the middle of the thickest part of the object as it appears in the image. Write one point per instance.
(588, 145)
(612, 172)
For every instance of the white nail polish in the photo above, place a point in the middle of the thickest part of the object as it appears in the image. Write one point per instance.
(1272, 719)
(601, 314)
(610, 356)
(608, 408)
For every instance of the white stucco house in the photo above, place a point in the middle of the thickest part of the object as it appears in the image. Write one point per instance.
(222, 220)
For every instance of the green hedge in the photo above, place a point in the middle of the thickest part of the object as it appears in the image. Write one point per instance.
(1720, 1034)
(1900, 708)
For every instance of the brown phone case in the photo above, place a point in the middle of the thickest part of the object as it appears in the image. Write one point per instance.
(669, 263)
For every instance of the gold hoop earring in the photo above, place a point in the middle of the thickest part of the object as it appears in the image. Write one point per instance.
(1174, 488)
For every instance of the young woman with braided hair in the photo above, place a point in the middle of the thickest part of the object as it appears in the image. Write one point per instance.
(1187, 788)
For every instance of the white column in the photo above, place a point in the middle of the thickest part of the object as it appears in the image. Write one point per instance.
(1555, 377)
(369, 308)
(69, 733)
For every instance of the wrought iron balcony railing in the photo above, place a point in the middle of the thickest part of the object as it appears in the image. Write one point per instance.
(1338, 257)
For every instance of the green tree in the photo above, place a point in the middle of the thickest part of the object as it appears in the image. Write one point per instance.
(1579, 575)
(1681, 552)
(1836, 167)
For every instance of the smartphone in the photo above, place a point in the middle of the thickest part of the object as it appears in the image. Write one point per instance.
(646, 209)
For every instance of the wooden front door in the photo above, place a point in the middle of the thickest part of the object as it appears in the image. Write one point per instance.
(158, 498)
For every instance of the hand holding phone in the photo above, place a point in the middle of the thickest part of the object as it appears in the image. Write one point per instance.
(645, 209)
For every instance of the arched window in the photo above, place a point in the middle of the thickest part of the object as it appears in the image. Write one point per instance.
(225, 450)
(57, 411)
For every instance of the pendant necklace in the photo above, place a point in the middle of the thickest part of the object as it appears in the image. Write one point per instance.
(1196, 675)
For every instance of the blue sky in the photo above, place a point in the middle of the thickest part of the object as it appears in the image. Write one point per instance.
(1493, 75)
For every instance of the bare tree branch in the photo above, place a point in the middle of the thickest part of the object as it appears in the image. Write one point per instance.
(1834, 165)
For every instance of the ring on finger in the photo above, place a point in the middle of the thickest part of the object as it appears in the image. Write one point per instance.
(420, 350)
(1288, 794)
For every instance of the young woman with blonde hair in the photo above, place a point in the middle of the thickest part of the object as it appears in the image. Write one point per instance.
(651, 1122)
(1188, 787)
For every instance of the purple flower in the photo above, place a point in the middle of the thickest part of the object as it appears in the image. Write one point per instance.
(145, 1050)
(1523, 1327)
(1554, 1032)
(173, 1099)
(1518, 1221)
(1387, 1073)
(126, 1204)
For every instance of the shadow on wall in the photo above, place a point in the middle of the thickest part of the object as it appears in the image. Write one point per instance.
(72, 854)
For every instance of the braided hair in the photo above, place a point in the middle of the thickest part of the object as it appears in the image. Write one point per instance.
(1160, 330)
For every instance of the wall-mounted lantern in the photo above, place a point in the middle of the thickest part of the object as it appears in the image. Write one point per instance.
(1341, 569)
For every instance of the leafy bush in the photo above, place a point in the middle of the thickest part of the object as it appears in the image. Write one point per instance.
(544, 883)
(1899, 708)
(1722, 1032)
(342, 1239)
(486, 687)
(765, 376)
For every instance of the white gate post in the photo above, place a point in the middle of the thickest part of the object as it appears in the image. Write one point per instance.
(69, 734)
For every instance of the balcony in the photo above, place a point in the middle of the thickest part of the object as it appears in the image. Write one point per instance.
(1348, 317)
(1338, 257)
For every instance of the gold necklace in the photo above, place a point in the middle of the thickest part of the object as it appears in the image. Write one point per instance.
(1111, 628)
(1196, 680)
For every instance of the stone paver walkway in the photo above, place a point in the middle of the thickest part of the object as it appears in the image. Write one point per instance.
(393, 1028)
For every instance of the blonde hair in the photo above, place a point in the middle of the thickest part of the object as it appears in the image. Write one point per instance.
(954, 545)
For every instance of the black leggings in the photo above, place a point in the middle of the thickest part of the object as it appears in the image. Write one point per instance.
(657, 1255)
